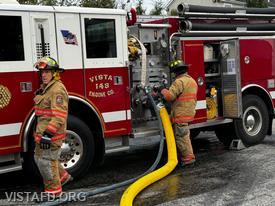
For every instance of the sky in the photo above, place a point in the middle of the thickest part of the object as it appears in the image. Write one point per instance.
(148, 4)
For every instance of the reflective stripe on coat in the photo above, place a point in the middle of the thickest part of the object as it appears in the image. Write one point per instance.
(51, 110)
(183, 95)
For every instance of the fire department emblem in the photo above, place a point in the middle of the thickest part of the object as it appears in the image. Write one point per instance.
(5, 96)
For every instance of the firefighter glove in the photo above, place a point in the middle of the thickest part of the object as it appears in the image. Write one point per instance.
(161, 87)
(45, 142)
(158, 88)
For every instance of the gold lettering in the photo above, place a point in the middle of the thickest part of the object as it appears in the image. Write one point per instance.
(110, 92)
(101, 77)
(97, 94)
(106, 85)
(102, 85)
(110, 78)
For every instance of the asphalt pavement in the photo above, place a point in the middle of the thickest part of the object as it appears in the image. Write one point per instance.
(220, 177)
(245, 177)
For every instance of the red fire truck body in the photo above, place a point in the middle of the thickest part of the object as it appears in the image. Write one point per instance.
(259, 81)
(229, 52)
(235, 75)
(91, 45)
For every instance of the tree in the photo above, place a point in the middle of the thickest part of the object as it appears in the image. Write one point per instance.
(139, 8)
(39, 2)
(84, 3)
(69, 3)
(257, 3)
(51, 2)
(32, 2)
(99, 3)
(174, 12)
(120, 4)
(48, 2)
(158, 7)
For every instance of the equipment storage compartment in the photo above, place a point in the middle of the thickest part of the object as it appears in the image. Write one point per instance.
(213, 80)
(211, 59)
(213, 98)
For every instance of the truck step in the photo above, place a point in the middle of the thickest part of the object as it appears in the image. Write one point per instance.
(10, 163)
(117, 149)
(10, 168)
(146, 133)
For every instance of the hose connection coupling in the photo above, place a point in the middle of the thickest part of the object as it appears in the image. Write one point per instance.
(160, 105)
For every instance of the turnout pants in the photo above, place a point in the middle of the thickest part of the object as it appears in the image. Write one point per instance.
(50, 168)
(183, 142)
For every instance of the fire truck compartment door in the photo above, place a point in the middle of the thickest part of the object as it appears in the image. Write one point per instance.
(231, 83)
(43, 35)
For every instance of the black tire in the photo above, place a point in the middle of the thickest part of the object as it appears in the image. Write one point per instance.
(194, 133)
(30, 168)
(77, 127)
(225, 133)
(253, 127)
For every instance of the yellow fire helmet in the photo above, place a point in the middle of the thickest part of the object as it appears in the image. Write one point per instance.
(48, 63)
(178, 66)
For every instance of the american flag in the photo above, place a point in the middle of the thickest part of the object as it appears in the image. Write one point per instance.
(69, 38)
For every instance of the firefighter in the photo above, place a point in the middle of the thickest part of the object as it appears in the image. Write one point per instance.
(183, 95)
(51, 110)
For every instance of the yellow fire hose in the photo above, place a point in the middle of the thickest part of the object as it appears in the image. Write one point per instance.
(132, 191)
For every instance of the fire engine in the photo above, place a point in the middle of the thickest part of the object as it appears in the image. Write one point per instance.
(233, 66)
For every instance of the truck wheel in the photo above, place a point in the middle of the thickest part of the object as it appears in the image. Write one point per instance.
(30, 168)
(77, 151)
(225, 133)
(253, 127)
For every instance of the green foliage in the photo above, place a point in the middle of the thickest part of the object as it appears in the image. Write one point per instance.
(98, 3)
(39, 2)
(173, 12)
(32, 2)
(158, 7)
(69, 3)
(139, 8)
(257, 3)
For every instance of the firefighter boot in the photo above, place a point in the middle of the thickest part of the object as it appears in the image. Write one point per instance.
(64, 181)
(188, 161)
(65, 177)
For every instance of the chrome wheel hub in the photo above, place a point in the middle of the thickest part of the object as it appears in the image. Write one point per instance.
(71, 150)
(252, 121)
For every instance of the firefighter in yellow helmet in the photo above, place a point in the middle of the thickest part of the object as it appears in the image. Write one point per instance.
(183, 95)
(51, 110)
